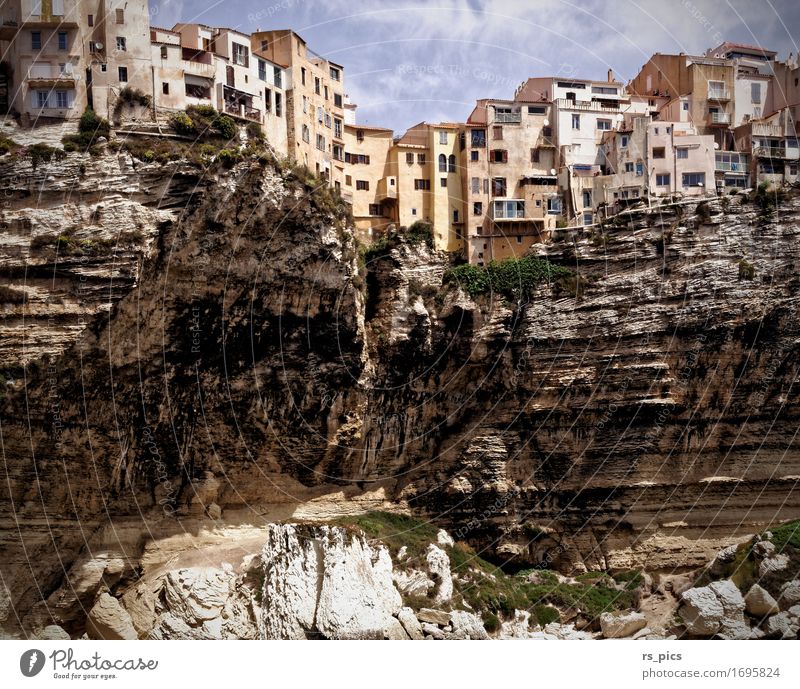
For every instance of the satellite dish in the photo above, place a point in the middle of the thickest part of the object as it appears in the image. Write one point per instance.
(99, 46)
(552, 171)
(546, 123)
(716, 146)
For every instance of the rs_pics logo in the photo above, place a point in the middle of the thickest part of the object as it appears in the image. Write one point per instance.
(31, 662)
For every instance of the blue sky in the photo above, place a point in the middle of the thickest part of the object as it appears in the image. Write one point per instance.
(411, 61)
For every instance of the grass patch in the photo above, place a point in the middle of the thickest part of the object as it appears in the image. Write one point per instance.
(396, 531)
(786, 535)
(513, 277)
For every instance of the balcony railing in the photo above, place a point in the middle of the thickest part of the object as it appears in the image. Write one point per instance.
(568, 104)
(508, 117)
(731, 167)
(719, 94)
(508, 209)
(719, 118)
(200, 69)
(769, 152)
(761, 129)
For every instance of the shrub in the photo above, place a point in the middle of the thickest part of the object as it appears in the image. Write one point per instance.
(225, 126)
(703, 212)
(255, 132)
(420, 232)
(747, 271)
(131, 96)
(229, 157)
(70, 146)
(513, 277)
(546, 614)
(42, 153)
(94, 125)
(182, 124)
(491, 623)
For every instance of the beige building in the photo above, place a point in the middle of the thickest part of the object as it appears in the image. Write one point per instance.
(509, 183)
(771, 144)
(314, 102)
(370, 179)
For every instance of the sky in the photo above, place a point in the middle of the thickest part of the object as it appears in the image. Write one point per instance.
(407, 62)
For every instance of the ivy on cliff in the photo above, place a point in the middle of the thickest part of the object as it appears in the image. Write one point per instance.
(513, 277)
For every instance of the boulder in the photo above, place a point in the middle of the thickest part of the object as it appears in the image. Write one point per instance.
(410, 623)
(782, 626)
(394, 631)
(467, 624)
(413, 582)
(759, 603)
(439, 567)
(439, 617)
(53, 632)
(701, 611)
(109, 620)
(516, 628)
(432, 631)
(772, 565)
(724, 557)
(444, 539)
(790, 594)
(621, 625)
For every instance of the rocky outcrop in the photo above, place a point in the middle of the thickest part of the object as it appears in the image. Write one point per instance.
(109, 620)
(621, 625)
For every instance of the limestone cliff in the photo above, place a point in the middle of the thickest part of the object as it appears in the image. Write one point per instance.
(231, 365)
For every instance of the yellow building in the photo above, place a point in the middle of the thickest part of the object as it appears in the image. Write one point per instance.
(370, 181)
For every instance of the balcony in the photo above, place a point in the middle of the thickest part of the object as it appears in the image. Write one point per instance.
(46, 76)
(199, 69)
(736, 163)
(507, 117)
(769, 130)
(719, 119)
(595, 106)
(719, 94)
(508, 210)
(777, 152)
(8, 29)
(386, 190)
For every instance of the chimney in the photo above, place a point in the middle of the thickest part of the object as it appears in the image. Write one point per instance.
(611, 75)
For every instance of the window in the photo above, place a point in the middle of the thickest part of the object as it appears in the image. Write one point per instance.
(241, 54)
(576, 121)
(422, 184)
(41, 99)
(509, 209)
(337, 100)
(303, 75)
(335, 74)
(278, 105)
(164, 54)
(662, 180)
(587, 218)
(36, 40)
(337, 128)
(498, 156)
(362, 185)
(475, 185)
(348, 180)
(497, 133)
(443, 138)
(409, 158)
(62, 40)
(328, 120)
(682, 153)
(325, 88)
(267, 100)
(120, 16)
(604, 125)
(375, 209)
(477, 208)
(685, 105)
(123, 74)
(443, 182)
(499, 186)
(264, 46)
(320, 114)
(442, 162)
(587, 199)
(413, 211)
(659, 152)
(554, 206)
(61, 99)
(474, 156)
(451, 163)
(623, 141)
(305, 133)
(316, 85)
(90, 20)
(639, 169)
(519, 239)
(485, 186)
(262, 70)
(694, 179)
(165, 88)
(534, 155)
(122, 44)
(420, 159)
(360, 136)
(628, 167)
(455, 216)
(320, 142)
(537, 109)
(478, 138)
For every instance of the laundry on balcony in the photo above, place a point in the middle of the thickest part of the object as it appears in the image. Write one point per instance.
(240, 104)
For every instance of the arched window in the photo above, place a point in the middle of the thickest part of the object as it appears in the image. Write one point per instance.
(452, 164)
(442, 162)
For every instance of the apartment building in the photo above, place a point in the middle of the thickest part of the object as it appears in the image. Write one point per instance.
(771, 144)
(370, 184)
(647, 159)
(314, 102)
(510, 190)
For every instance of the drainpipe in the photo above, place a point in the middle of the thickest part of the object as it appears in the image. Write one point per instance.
(153, 80)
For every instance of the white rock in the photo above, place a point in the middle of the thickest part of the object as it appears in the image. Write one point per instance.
(729, 596)
(53, 632)
(621, 625)
(439, 617)
(413, 582)
(410, 623)
(776, 563)
(444, 539)
(518, 627)
(701, 611)
(782, 625)
(759, 603)
(469, 624)
(566, 631)
(394, 631)
(439, 567)
(764, 549)
(432, 630)
(790, 594)
(109, 620)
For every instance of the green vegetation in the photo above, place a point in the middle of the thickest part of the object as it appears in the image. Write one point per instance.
(767, 198)
(42, 153)
(255, 132)
(420, 232)
(7, 145)
(747, 271)
(786, 535)
(380, 248)
(703, 212)
(90, 128)
(513, 277)
(204, 122)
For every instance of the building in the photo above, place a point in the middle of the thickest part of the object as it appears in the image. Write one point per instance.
(700, 90)
(314, 102)
(509, 184)
(370, 179)
(771, 145)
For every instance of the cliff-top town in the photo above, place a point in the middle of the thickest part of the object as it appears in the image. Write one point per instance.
(561, 152)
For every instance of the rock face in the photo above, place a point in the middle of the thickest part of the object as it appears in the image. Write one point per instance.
(240, 368)
(619, 626)
(759, 603)
(109, 620)
(322, 582)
